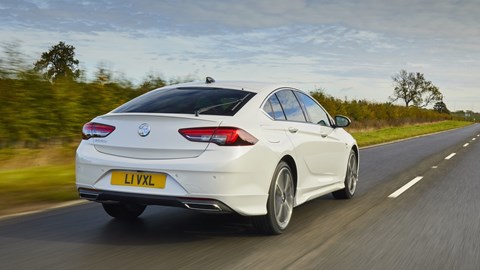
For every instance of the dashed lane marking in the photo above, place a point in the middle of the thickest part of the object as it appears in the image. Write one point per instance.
(450, 156)
(465, 145)
(416, 179)
(405, 187)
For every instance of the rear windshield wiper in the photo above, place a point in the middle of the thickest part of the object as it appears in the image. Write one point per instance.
(238, 102)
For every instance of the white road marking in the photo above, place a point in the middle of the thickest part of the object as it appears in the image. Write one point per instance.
(450, 156)
(434, 167)
(473, 139)
(405, 187)
(55, 206)
(465, 145)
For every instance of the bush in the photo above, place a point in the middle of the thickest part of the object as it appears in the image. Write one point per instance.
(370, 115)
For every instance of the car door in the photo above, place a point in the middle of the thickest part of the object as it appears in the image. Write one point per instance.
(331, 152)
(319, 153)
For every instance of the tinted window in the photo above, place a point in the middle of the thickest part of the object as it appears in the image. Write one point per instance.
(290, 106)
(268, 109)
(315, 113)
(273, 108)
(213, 101)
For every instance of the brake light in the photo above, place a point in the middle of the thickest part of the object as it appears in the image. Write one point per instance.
(224, 136)
(92, 130)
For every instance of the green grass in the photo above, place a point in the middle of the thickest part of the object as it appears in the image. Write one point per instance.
(29, 178)
(22, 188)
(366, 138)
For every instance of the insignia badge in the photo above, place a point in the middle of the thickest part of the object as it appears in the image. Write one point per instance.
(144, 130)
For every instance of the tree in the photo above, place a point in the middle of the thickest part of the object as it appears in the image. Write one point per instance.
(414, 89)
(103, 75)
(151, 82)
(59, 62)
(12, 62)
(441, 107)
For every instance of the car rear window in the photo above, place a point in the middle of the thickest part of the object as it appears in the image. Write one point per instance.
(189, 100)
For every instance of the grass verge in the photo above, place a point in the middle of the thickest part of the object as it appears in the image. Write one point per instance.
(30, 188)
(366, 138)
(39, 183)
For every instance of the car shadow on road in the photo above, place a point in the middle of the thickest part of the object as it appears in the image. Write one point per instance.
(89, 224)
(177, 226)
(173, 225)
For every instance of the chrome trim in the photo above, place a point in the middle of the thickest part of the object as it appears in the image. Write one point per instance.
(214, 206)
(88, 195)
(144, 129)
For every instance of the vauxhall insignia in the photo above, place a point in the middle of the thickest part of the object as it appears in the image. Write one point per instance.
(144, 130)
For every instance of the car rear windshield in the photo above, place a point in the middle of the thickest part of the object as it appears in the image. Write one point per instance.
(189, 100)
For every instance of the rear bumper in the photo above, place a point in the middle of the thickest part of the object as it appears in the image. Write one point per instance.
(234, 179)
(198, 204)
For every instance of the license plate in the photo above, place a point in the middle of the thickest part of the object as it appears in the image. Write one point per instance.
(135, 179)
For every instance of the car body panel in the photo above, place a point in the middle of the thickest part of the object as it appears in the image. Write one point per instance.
(163, 141)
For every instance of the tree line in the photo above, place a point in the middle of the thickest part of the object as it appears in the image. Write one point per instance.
(49, 101)
(371, 115)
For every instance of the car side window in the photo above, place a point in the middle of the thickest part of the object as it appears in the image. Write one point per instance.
(268, 109)
(315, 113)
(272, 107)
(291, 106)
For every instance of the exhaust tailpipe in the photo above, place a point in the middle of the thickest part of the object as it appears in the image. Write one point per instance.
(203, 207)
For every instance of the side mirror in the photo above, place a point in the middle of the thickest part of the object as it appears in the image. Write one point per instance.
(342, 121)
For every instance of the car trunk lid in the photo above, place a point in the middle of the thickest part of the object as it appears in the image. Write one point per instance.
(151, 136)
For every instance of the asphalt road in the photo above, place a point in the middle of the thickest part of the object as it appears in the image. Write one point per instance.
(435, 224)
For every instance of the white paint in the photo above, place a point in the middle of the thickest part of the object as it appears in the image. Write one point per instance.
(465, 145)
(473, 139)
(450, 156)
(434, 167)
(56, 206)
(405, 187)
(127, 151)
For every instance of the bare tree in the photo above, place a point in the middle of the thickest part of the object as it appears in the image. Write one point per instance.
(413, 89)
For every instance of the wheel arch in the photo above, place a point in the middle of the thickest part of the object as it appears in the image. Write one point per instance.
(357, 154)
(293, 166)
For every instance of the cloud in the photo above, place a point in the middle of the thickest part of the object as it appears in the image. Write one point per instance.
(348, 47)
(407, 18)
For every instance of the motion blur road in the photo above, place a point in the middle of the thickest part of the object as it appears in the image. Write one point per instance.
(435, 224)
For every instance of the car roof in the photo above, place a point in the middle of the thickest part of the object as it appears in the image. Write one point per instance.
(251, 86)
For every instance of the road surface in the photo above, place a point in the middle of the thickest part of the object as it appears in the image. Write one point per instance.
(434, 224)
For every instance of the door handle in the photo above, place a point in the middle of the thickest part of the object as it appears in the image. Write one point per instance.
(292, 130)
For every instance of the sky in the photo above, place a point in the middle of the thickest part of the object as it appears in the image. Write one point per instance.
(349, 48)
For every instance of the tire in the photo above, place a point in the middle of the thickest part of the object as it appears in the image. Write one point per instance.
(351, 179)
(279, 204)
(124, 210)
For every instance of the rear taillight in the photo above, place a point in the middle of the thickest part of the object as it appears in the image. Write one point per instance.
(228, 136)
(96, 130)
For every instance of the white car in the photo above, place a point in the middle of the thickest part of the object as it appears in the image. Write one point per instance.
(220, 147)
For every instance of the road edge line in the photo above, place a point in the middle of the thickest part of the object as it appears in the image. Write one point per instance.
(52, 207)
